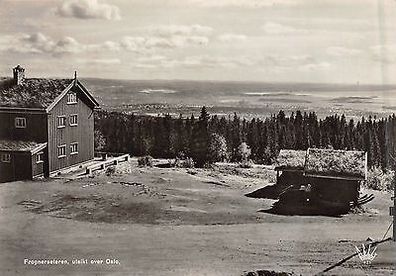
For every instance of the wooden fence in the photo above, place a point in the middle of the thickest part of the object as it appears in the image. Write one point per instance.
(102, 165)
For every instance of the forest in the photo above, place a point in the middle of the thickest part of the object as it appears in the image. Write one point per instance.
(208, 139)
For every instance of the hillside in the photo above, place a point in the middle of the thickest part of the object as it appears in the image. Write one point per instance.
(177, 222)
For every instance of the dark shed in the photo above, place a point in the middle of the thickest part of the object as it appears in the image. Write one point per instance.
(289, 167)
(335, 175)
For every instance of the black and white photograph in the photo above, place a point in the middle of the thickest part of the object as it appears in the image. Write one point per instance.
(197, 137)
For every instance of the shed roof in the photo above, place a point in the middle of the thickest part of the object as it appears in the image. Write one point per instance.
(31, 93)
(290, 160)
(336, 163)
(30, 146)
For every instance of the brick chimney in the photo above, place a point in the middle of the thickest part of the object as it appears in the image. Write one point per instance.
(19, 74)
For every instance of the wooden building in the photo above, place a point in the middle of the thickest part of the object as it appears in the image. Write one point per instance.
(45, 125)
(289, 167)
(323, 180)
(335, 175)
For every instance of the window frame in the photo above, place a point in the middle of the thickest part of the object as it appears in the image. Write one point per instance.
(39, 157)
(71, 148)
(72, 98)
(5, 160)
(62, 155)
(18, 120)
(64, 121)
(70, 120)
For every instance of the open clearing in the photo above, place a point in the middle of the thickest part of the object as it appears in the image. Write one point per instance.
(165, 221)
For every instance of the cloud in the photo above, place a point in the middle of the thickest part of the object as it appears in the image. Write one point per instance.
(232, 37)
(273, 28)
(384, 53)
(38, 43)
(24, 43)
(215, 62)
(180, 30)
(273, 63)
(152, 58)
(68, 45)
(88, 9)
(342, 51)
(104, 61)
(168, 37)
(147, 44)
(242, 3)
(34, 43)
(287, 61)
(111, 46)
(310, 67)
(194, 62)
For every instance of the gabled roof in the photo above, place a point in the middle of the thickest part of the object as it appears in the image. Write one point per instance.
(343, 164)
(290, 160)
(30, 146)
(39, 93)
(75, 84)
(31, 93)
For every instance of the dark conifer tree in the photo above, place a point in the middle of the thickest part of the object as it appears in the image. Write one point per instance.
(200, 139)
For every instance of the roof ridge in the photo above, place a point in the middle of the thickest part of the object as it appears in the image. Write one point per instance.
(33, 92)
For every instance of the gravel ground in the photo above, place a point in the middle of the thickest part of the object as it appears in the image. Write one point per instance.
(152, 221)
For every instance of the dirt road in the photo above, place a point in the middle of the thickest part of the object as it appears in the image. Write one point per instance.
(176, 222)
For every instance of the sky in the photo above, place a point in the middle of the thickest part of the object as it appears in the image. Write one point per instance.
(332, 41)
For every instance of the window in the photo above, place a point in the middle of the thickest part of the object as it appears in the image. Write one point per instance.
(61, 121)
(20, 122)
(73, 120)
(6, 157)
(61, 151)
(73, 148)
(71, 98)
(40, 157)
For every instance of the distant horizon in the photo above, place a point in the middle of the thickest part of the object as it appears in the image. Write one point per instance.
(294, 41)
(209, 80)
(248, 81)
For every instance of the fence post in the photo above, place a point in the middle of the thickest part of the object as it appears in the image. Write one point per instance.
(394, 206)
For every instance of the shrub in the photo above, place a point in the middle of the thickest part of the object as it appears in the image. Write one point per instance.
(217, 148)
(244, 152)
(145, 161)
(246, 164)
(187, 162)
(380, 180)
(110, 170)
(99, 140)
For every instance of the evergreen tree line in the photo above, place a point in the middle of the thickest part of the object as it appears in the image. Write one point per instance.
(212, 138)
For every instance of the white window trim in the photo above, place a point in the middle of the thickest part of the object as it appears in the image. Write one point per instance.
(7, 159)
(71, 151)
(73, 124)
(22, 119)
(75, 98)
(61, 146)
(37, 157)
(64, 120)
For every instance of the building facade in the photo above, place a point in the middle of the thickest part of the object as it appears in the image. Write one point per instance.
(45, 125)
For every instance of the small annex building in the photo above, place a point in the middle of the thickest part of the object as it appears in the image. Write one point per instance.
(45, 125)
(333, 176)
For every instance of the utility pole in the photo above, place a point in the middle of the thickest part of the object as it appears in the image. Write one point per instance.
(393, 211)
